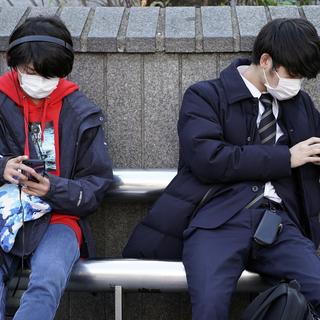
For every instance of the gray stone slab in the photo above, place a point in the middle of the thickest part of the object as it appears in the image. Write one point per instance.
(141, 31)
(3, 63)
(88, 306)
(42, 11)
(4, 3)
(88, 73)
(197, 67)
(75, 19)
(217, 29)
(124, 105)
(238, 303)
(251, 20)
(312, 86)
(312, 13)
(71, 3)
(104, 29)
(22, 3)
(180, 29)
(224, 60)
(161, 106)
(157, 306)
(63, 310)
(119, 221)
(284, 12)
(47, 3)
(9, 18)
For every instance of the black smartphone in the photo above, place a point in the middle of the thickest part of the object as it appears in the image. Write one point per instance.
(268, 229)
(38, 165)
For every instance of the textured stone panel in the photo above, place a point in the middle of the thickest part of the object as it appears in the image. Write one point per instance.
(180, 29)
(9, 18)
(63, 310)
(197, 68)
(119, 221)
(47, 3)
(4, 3)
(238, 303)
(217, 29)
(71, 3)
(141, 31)
(90, 306)
(3, 63)
(224, 60)
(124, 109)
(251, 20)
(88, 72)
(284, 12)
(312, 13)
(75, 19)
(22, 3)
(42, 11)
(313, 88)
(161, 106)
(104, 29)
(158, 306)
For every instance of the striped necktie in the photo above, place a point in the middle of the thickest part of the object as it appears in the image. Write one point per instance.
(267, 125)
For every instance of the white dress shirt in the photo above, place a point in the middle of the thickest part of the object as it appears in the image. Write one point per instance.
(269, 190)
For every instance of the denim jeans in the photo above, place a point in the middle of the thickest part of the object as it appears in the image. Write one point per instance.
(51, 265)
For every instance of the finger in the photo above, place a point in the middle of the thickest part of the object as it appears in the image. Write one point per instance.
(313, 159)
(26, 168)
(32, 185)
(313, 140)
(13, 180)
(29, 192)
(19, 159)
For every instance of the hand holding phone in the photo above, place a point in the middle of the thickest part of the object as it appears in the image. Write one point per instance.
(37, 165)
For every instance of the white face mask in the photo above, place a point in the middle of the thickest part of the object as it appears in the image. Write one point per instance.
(286, 88)
(37, 86)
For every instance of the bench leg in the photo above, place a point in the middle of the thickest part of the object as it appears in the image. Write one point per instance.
(118, 302)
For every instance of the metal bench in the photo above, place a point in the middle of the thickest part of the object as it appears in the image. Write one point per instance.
(131, 274)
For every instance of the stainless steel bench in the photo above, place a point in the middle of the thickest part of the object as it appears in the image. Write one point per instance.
(130, 274)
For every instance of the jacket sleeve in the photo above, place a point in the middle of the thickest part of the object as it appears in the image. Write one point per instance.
(83, 194)
(3, 163)
(214, 160)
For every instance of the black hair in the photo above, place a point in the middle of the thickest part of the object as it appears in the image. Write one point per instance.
(48, 59)
(291, 43)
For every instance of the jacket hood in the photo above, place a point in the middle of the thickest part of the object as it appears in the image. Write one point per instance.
(10, 86)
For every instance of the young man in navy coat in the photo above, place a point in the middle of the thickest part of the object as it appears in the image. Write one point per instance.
(262, 151)
(249, 145)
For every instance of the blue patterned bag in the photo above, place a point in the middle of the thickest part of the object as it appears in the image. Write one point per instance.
(11, 213)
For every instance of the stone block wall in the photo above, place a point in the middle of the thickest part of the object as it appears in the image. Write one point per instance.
(136, 64)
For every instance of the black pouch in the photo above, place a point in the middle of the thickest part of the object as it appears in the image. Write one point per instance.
(268, 229)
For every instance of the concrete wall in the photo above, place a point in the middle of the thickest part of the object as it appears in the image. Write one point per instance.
(136, 64)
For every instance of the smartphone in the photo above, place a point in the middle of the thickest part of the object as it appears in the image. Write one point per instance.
(38, 165)
(268, 229)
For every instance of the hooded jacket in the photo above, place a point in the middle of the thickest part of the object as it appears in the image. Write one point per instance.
(85, 168)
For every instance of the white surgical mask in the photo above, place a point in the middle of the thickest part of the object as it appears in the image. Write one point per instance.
(286, 88)
(36, 86)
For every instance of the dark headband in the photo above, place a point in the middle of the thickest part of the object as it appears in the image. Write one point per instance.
(40, 39)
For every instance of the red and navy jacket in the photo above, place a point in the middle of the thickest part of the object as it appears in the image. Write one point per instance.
(85, 166)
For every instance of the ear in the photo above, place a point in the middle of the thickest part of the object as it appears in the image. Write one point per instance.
(265, 61)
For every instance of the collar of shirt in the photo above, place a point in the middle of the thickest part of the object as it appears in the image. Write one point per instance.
(256, 93)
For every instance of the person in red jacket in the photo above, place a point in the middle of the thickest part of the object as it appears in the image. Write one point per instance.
(44, 116)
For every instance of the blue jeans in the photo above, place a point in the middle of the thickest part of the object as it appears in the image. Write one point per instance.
(51, 265)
